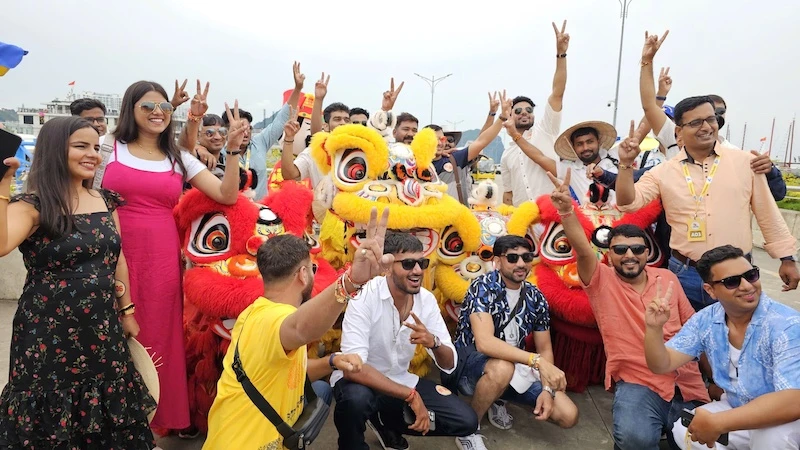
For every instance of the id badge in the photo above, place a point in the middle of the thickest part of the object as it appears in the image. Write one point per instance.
(697, 231)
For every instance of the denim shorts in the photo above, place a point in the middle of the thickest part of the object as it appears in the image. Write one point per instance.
(474, 363)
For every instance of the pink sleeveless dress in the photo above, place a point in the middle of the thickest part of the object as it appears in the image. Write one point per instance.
(151, 247)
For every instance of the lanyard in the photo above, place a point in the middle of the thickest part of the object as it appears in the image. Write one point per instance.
(244, 163)
(698, 199)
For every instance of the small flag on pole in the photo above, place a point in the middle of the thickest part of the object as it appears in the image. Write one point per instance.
(10, 57)
(71, 84)
(764, 139)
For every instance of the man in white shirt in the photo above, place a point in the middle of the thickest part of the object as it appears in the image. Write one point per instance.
(523, 178)
(383, 325)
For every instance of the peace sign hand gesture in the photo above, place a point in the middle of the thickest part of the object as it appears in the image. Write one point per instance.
(299, 78)
(237, 127)
(560, 197)
(180, 96)
(506, 105)
(657, 312)
(629, 148)
(420, 334)
(321, 87)
(199, 105)
(562, 38)
(651, 45)
(390, 96)
(664, 82)
(369, 261)
(292, 126)
(494, 103)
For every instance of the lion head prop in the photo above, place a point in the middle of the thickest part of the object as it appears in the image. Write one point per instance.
(220, 243)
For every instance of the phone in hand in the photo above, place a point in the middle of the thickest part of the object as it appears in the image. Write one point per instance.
(409, 417)
(9, 144)
(686, 419)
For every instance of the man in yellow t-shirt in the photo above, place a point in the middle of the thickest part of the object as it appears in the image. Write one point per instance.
(274, 332)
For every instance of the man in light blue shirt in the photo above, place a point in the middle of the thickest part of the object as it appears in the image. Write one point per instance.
(753, 346)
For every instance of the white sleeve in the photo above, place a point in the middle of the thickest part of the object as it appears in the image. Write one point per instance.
(192, 164)
(505, 172)
(356, 326)
(550, 122)
(667, 135)
(561, 169)
(435, 324)
(305, 163)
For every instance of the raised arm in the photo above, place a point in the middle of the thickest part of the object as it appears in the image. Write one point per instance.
(289, 170)
(530, 150)
(664, 86)
(488, 134)
(652, 111)
(561, 198)
(320, 91)
(188, 137)
(494, 104)
(384, 120)
(560, 78)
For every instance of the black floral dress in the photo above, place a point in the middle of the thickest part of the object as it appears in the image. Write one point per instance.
(72, 384)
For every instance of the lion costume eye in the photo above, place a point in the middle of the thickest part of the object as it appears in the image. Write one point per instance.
(555, 247)
(210, 235)
(452, 244)
(353, 166)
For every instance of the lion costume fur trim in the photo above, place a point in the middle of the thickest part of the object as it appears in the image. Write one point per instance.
(324, 147)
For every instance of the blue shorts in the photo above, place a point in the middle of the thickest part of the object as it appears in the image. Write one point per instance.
(474, 363)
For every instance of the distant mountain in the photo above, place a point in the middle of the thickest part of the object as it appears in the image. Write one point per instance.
(494, 150)
(8, 115)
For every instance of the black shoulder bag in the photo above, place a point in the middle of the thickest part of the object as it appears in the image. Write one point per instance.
(308, 425)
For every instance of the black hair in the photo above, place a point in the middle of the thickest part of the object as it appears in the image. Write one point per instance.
(332, 108)
(715, 256)
(280, 257)
(583, 131)
(396, 242)
(688, 104)
(242, 115)
(84, 104)
(717, 99)
(354, 111)
(508, 242)
(627, 230)
(406, 117)
(433, 127)
(212, 119)
(520, 99)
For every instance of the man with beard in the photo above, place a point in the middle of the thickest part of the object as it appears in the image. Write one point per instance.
(392, 315)
(269, 338)
(645, 405)
(523, 177)
(499, 311)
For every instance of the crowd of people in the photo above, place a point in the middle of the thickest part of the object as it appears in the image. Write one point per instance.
(695, 350)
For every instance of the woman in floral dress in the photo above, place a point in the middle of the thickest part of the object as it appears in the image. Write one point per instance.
(72, 384)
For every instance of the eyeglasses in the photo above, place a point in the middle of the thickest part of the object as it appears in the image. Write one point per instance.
(529, 110)
(451, 139)
(210, 132)
(165, 107)
(95, 119)
(514, 257)
(408, 264)
(636, 249)
(359, 122)
(697, 123)
(735, 281)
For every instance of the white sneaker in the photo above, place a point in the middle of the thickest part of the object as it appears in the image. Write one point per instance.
(499, 416)
(471, 442)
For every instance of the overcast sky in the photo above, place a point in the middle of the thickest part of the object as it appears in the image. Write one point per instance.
(743, 50)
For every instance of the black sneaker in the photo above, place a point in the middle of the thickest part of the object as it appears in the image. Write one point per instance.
(389, 439)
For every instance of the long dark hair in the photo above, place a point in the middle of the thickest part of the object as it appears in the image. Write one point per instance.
(49, 177)
(127, 131)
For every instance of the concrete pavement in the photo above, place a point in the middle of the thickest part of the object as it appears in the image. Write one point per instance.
(592, 432)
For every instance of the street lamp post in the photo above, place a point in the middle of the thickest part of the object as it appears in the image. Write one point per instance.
(623, 4)
(432, 81)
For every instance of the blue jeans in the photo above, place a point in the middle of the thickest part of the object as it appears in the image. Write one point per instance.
(474, 364)
(641, 416)
(691, 283)
(323, 390)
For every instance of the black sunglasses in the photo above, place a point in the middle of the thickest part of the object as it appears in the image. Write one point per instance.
(734, 281)
(720, 111)
(408, 264)
(636, 249)
(359, 122)
(514, 257)
(529, 109)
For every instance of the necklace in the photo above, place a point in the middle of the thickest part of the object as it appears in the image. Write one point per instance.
(140, 146)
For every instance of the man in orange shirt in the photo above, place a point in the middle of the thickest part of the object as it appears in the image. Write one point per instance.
(645, 405)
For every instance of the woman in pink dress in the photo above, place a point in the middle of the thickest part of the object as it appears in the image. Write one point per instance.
(148, 169)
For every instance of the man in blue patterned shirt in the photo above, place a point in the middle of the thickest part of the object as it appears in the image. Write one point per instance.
(500, 309)
(753, 346)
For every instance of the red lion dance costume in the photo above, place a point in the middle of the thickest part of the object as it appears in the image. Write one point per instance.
(577, 345)
(221, 243)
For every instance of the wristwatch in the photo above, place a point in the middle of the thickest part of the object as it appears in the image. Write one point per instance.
(788, 258)
(436, 342)
(330, 360)
(549, 390)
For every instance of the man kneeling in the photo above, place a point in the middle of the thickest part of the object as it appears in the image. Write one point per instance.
(384, 324)
(753, 345)
(500, 309)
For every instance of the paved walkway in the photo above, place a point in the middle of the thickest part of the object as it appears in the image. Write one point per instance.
(591, 433)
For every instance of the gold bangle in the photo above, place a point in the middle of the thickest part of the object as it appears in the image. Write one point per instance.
(3, 197)
(624, 166)
(645, 63)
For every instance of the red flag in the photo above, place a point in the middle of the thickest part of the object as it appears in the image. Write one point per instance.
(764, 139)
(71, 84)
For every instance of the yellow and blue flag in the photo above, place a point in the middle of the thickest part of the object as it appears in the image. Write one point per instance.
(10, 57)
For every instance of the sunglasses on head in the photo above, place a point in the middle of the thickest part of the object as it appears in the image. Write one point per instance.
(514, 257)
(528, 109)
(408, 264)
(165, 107)
(210, 132)
(735, 281)
(636, 249)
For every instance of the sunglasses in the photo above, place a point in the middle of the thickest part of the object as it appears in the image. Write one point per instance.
(636, 249)
(720, 111)
(528, 109)
(514, 257)
(165, 107)
(697, 123)
(735, 281)
(451, 139)
(210, 132)
(360, 122)
(408, 264)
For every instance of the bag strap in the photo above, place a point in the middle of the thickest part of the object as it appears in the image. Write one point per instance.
(261, 403)
(106, 149)
(644, 159)
(457, 174)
